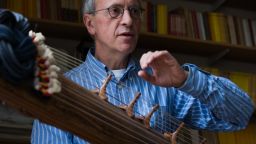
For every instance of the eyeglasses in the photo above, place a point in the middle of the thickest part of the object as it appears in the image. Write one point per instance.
(118, 11)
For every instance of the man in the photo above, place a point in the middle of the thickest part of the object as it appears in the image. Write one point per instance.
(196, 97)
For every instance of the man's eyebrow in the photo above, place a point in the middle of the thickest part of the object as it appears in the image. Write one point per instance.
(121, 5)
(116, 5)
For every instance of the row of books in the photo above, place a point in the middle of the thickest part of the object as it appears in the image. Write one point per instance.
(190, 23)
(157, 18)
(246, 81)
(63, 10)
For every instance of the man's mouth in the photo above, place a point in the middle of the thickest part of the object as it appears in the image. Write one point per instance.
(127, 34)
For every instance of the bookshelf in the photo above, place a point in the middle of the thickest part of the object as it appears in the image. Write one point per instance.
(240, 4)
(148, 40)
(153, 41)
(204, 48)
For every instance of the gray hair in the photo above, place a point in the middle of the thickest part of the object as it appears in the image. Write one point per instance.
(88, 6)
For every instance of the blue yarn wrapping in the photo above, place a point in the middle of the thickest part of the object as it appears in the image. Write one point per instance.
(17, 51)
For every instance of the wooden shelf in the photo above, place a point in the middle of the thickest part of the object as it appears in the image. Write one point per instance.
(60, 29)
(238, 4)
(12, 133)
(197, 47)
(153, 41)
(241, 4)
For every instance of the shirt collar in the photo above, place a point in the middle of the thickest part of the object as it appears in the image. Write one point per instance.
(100, 70)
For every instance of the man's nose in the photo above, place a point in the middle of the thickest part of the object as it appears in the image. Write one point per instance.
(127, 18)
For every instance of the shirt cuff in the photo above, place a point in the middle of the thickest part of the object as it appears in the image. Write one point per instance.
(196, 80)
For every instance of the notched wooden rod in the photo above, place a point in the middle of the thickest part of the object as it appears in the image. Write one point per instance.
(173, 136)
(102, 91)
(129, 108)
(149, 115)
(96, 91)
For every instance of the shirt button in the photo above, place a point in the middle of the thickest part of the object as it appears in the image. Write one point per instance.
(119, 86)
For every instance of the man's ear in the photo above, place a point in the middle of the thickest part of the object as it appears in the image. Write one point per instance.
(89, 23)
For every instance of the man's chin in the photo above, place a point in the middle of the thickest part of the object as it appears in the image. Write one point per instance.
(127, 48)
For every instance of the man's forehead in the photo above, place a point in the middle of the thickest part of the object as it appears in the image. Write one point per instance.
(103, 2)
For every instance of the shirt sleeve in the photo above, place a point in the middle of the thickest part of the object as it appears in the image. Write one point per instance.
(46, 134)
(211, 102)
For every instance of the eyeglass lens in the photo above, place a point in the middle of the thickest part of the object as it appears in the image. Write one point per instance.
(116, 11)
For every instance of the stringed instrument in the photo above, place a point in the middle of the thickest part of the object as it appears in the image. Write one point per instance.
(82, 112)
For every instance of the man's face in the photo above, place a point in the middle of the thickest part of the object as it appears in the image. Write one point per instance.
(117, 35)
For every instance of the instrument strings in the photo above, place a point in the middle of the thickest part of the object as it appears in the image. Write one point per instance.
(164, 122)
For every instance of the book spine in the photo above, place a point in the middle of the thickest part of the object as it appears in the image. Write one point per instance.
(162, 12)
(232, 31)
(207, 26)
(215, 27)
(144, 25)
(247, 35)
(201, 28)
(254, 31)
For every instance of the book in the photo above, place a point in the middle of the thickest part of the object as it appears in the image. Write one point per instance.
(161, 16)
(144, 19)
(215, 26)
(247, 32)
(201, 27)
(240, 30)
(231, 29)
(254, 31)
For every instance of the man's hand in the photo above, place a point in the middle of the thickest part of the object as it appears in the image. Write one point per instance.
(167, 72)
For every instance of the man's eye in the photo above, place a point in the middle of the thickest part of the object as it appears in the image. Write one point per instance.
(135, 10)
(115, 10)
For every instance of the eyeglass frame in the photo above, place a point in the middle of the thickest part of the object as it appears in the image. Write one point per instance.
(122, 12)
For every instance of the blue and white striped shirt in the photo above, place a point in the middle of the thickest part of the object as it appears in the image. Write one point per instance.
(204, 101)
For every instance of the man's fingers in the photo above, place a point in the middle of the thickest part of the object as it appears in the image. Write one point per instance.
(149, 58)
(146, 76)
(145, 60)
